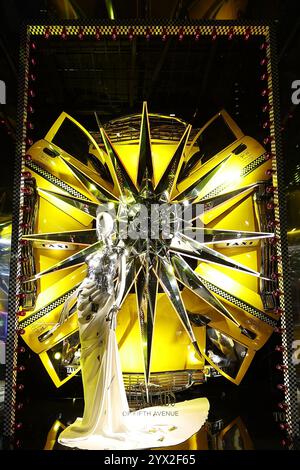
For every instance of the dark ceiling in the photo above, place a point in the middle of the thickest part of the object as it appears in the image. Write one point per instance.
(113, 78)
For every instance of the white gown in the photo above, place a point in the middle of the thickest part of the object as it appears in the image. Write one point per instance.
(106, 422)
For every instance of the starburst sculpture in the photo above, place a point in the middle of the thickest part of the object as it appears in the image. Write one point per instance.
(163, 252)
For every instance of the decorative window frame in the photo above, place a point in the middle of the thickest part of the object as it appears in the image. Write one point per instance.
(196, 29)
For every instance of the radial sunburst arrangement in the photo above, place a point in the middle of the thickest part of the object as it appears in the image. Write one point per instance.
(164, 222)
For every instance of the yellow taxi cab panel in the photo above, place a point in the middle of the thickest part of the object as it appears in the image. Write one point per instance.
(229, 311)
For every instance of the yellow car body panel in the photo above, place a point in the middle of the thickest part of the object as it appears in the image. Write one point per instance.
(171, 349)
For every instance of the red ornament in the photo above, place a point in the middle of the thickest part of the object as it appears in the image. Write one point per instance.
(264, 45)
(266, 107)
(214, 34)
(64, 33)
(80, 33)
(268, 139)
(273, 223)
(283, 406)
(25, 210)
(265, 92)
(281, 367)
(264, 76)
(247, 34)
(26, 191)
(278, 311)
(273, 240)
(264, 61)
(270, 189)
(279, 348)
(284, 426)
(98, 34)
(31, 93)
(268, 156)
(180, 34)
(19, 387)
(277, 293)
(21, 313)
(164, 35)
(266, 124)
(21, 295)
(275, 276)
(130, 34)
(32, 77)
(279, 330)
(18, 426)
(26, 174)
(230, 34)
(286, 442)
(19, 406)
(47, 33)
(29, 141)
(275, 258)
(33, 61)
(148, 34)
(21, 331)
(30, 109)
(197, 34)
(23, 259)
(282, 387)
(114, 34)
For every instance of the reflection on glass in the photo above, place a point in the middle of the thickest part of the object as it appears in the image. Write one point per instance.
(233, 436)
(216, 137)
(5, 233)
(232, 440)
(3, 326)
(65, 356)
(223, 351)
(75, 142)
(72, 140)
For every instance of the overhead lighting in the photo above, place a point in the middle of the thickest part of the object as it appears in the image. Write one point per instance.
(110, 9)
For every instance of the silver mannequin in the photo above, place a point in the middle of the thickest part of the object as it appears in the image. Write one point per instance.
(107, 422)
(106, 270)
(107, 267)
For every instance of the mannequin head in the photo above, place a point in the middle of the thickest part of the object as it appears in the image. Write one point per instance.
(104, 227)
